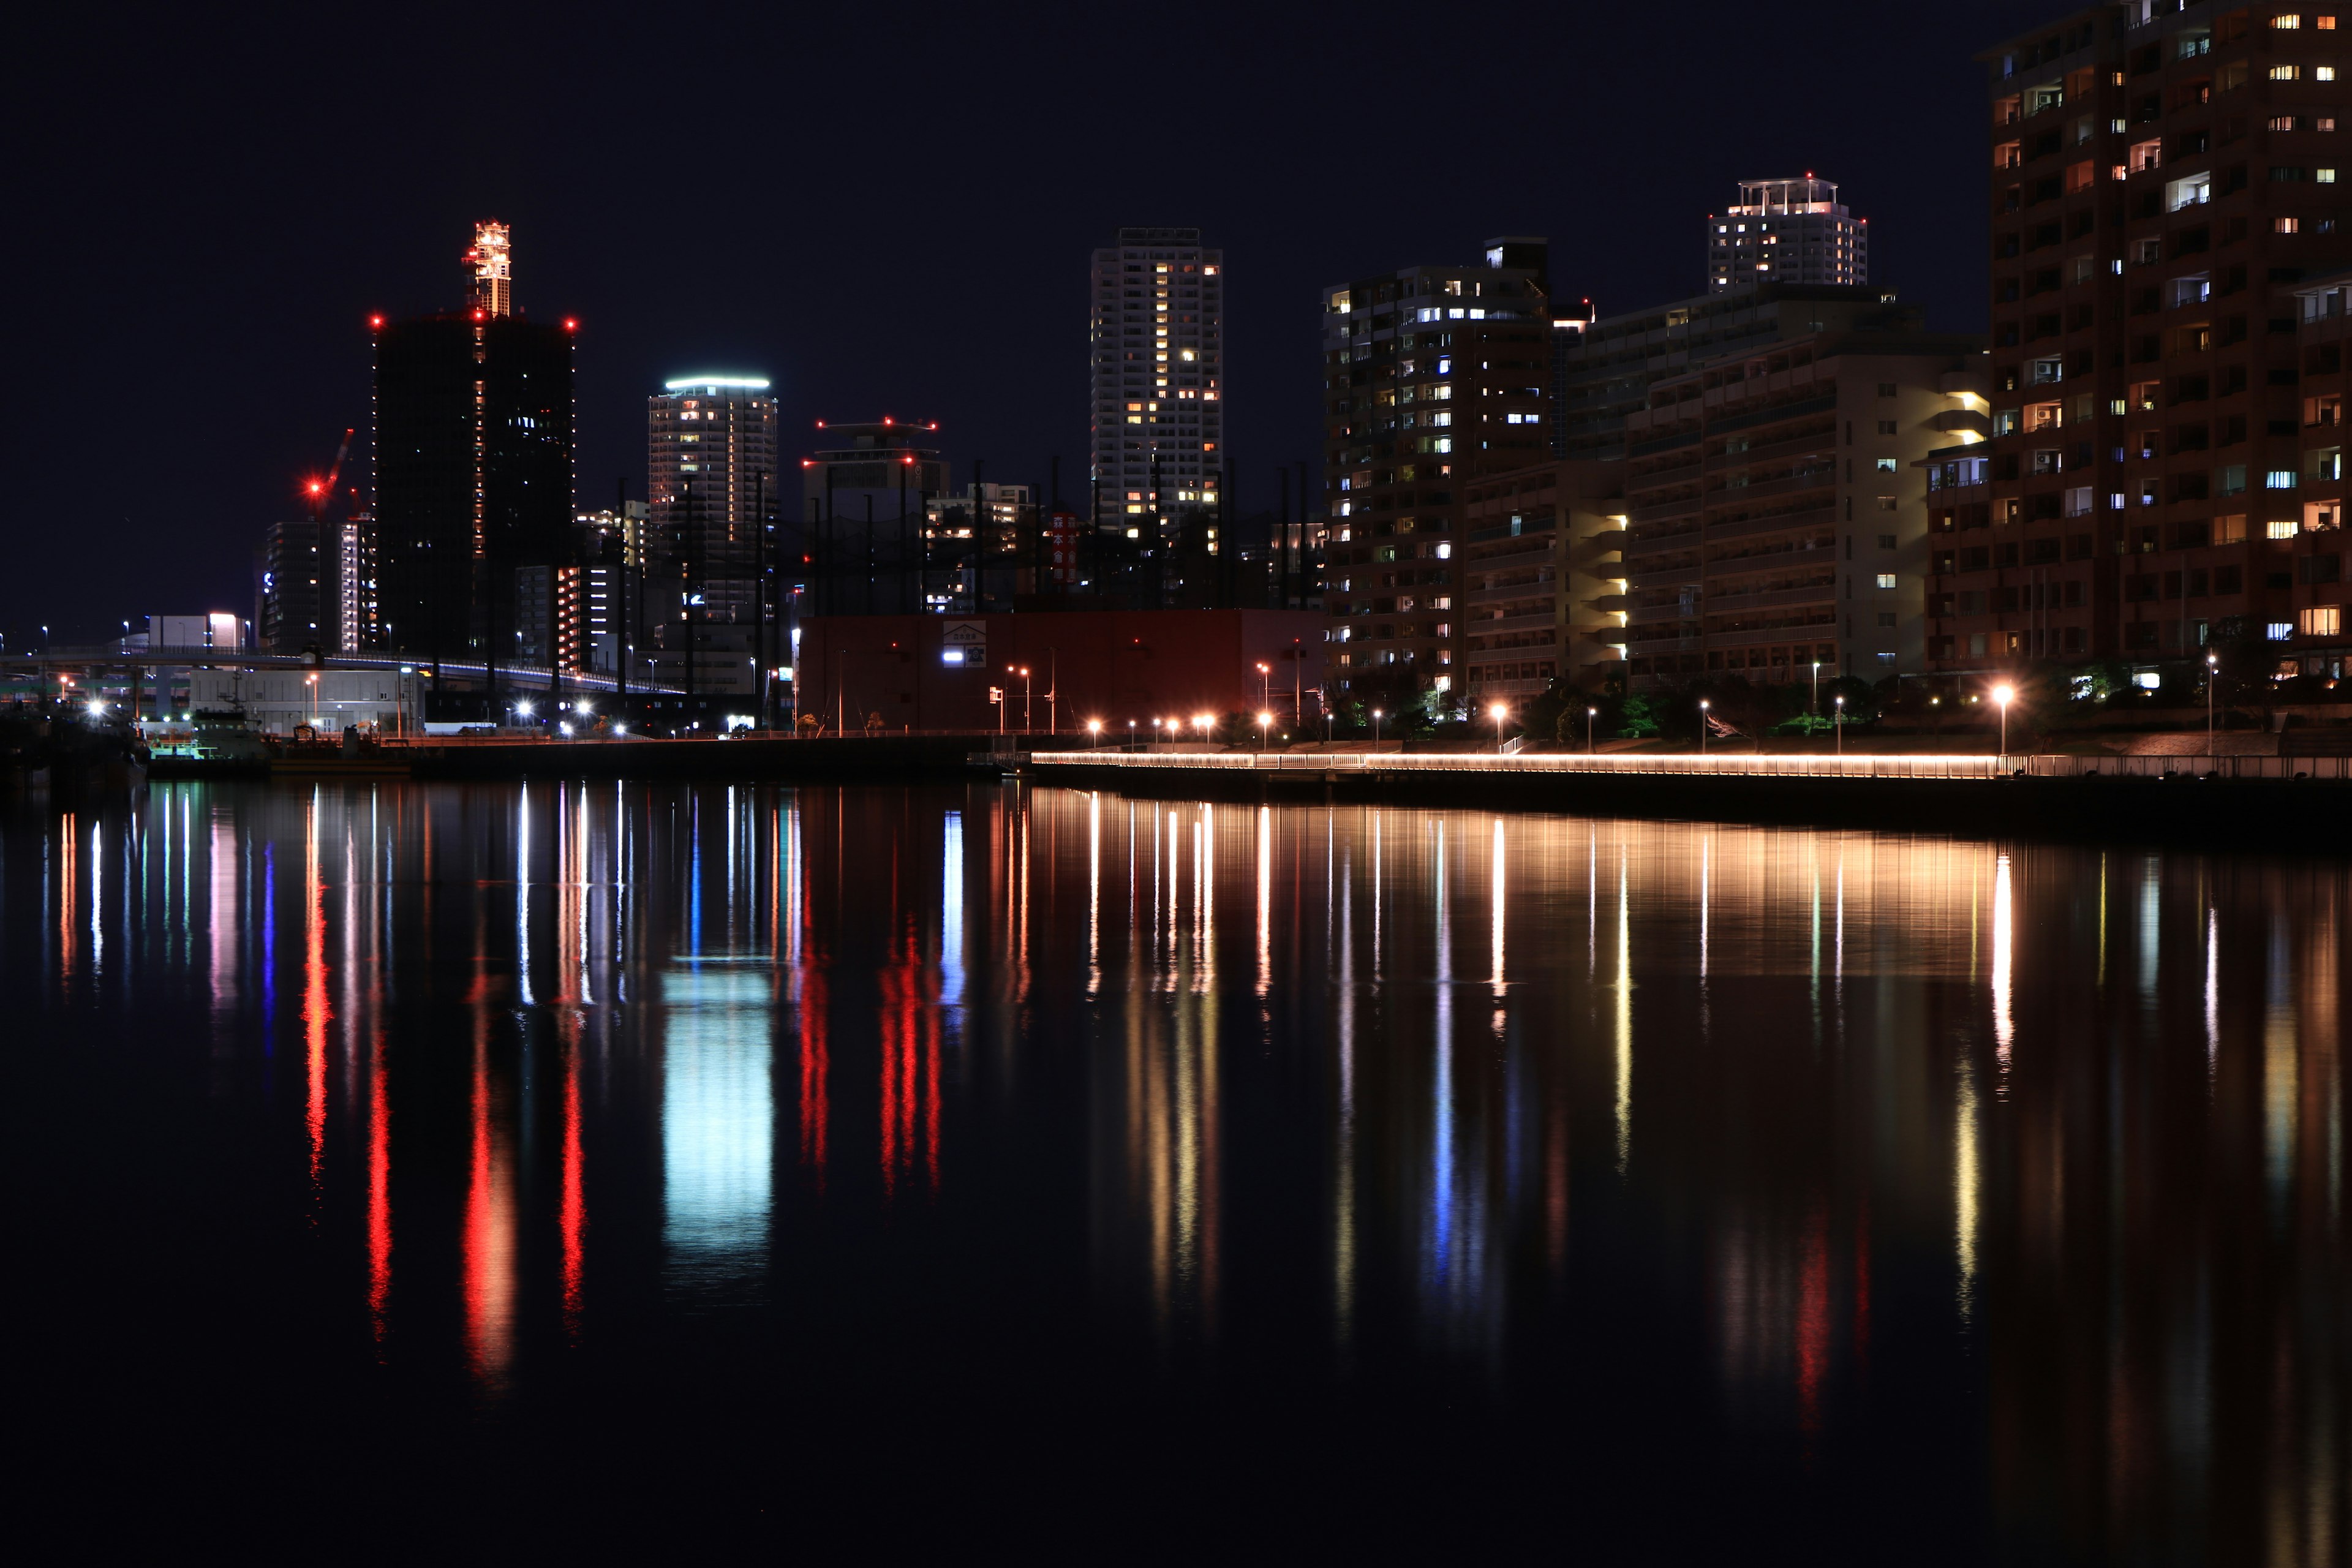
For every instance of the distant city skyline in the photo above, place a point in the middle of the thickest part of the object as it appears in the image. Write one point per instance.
(247, 312)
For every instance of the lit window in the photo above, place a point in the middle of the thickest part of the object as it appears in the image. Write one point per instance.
(1886, 465)
(2286, 226)
(2323, 176)
(1886, 579)
(2321, 621)
(2278, 528)
(2287, 22)
(2280, 631)
(2323, 73)
(2279, 480)
(2286, 73)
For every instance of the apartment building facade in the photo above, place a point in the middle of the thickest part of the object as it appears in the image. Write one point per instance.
(1542, 570)
(2163, 177)
(1774, 520)
(1603, 366)
(1157, 356)
(1786, 231)
(1434, 377)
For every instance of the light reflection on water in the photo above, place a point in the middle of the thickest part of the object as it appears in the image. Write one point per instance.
(1904, 1141)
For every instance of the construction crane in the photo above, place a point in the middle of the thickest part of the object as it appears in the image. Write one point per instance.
(319, 490)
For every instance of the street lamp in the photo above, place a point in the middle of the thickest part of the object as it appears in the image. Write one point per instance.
(1592, 719)
(1265, 722)
(1498, 712)
(1094, 728)
(1837, 724)
(2002, 695)
(1376, 726)
(1027, 687)
(1702, 706)
(2213, 670)
(1202, 721)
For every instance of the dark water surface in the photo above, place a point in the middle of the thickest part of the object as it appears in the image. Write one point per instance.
(466, 1169)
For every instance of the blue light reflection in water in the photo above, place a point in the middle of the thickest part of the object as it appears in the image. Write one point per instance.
(1849, 1182)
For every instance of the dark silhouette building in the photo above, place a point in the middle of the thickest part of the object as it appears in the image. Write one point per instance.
(473, 471)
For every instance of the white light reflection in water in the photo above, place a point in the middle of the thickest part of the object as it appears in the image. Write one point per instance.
(1705, 876)
(1497, 981)
(2004, 1026)
(522, 896)
(1343, 1218)
(223, 925)
(96, 899)
(1965, 1180)
(2212, 994)
(1625, 989)
(951, 968)
(1438, 1259)
(2281, 1075)
(1264, 899)
(1093, 887)
(717, 1123)
(2151, 886)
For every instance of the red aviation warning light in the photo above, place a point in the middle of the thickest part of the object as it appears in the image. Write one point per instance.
(570, 323)
(375, 323)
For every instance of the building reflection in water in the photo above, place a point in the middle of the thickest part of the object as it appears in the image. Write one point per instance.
(1885, 1134)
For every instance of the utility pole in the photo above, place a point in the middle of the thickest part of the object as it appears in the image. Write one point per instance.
(621, 591)
(760, 595)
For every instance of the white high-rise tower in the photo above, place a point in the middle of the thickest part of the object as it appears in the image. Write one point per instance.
(1157, 329)
(1786, 231)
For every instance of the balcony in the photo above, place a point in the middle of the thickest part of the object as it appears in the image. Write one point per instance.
(1654, 614)
(1823, 593)
(1504, 593)
(1540, 555)
(1796, 446)
(1666, 511)
(1543, 621)
(1822, 516)
(1667, 576)
(1818, 479)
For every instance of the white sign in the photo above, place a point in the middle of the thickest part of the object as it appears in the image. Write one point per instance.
(965, 643)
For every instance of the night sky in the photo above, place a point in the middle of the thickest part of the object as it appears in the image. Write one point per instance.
(888, 212)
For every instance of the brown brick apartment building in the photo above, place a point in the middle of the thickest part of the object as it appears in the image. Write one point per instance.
(1773, 518)
(1434, 376)
(2164, 178)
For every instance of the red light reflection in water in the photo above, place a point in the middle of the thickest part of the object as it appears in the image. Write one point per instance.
(379, 1186)
(573, 1219)
(1813, 1322)
(314, 1000)
(816, 1112)
(489, 1223)
(66, 875)
(910, 1066)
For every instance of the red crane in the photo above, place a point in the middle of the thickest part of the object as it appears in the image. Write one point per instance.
(319, 490)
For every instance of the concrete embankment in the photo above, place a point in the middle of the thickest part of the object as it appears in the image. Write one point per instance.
(2001, 799)
(855, 757)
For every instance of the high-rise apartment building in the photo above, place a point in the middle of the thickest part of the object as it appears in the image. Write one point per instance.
(1434, 376)
(298, 608)
(1786, 231)
(1156, 332)
(1774, 516)
(472, 456)
(2164, 178)
(711, 477)
(1604, 366)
